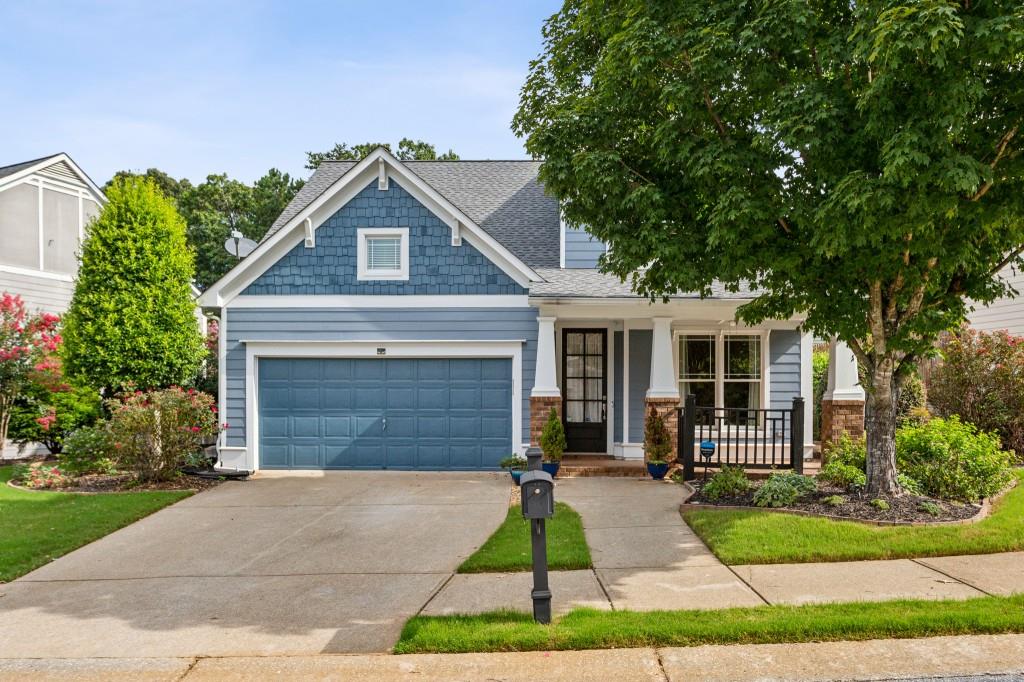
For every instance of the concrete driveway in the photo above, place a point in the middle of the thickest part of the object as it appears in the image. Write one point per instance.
(299, 564)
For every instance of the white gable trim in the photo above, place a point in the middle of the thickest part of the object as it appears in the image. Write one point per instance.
(338, 195)
(14, 178)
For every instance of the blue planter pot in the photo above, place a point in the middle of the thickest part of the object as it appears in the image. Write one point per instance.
(551, 467)
(516, 475)
(657, 471)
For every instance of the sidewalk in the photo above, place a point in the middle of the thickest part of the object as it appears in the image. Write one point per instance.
(871, 660)
(646, 558)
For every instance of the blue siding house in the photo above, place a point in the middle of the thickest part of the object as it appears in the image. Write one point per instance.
(430, 314)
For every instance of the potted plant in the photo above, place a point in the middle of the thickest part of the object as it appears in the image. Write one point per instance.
(516, 465)
(657, 445)
(552, 443)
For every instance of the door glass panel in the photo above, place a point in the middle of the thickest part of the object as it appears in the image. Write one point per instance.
(574, 366)
(574, 411)
(593, 412)
(595, 389)
(574, 389)
(595, 366)
(595, 345)
(574, 344)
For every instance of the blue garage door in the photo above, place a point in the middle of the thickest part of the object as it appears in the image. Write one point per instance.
(384, 413)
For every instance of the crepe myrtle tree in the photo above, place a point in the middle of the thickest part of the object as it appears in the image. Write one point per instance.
(858, 163)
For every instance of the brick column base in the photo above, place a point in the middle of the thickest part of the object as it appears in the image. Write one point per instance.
(540, 408)
(666, 407)
(839, 417)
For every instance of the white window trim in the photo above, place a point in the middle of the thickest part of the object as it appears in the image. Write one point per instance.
(720, 380)
(363, 273)
(248, 457)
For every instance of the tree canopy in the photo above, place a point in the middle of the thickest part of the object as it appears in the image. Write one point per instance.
(408, 150)
(218, 205)
(857, 163)
(132, 317)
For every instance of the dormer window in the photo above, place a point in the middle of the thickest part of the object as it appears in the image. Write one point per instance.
(383, 253)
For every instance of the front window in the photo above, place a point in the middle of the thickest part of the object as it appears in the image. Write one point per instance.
(721, 370)
(383, 254)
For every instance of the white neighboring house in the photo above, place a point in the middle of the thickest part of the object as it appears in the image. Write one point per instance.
(1005, 313)
(45, 205)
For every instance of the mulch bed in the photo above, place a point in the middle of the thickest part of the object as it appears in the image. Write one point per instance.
(903, 509)
(126, 483)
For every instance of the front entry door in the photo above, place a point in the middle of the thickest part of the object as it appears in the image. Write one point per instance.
(585, 389)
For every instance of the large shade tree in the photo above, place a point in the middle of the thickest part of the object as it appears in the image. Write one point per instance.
(408, 150)
(856, 162)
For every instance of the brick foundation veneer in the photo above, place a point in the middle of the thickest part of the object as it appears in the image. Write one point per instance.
(666, 407)
(839, 417)
(540, 407)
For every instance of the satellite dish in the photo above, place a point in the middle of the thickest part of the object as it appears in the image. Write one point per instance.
(238, 245)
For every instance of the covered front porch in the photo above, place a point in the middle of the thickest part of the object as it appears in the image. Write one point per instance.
(603, 364)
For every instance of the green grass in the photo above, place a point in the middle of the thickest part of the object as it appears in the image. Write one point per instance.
(508, 549)
(38, 527)
(591, 629)
(755, 537)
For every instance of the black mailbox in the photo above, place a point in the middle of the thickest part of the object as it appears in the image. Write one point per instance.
(538, 495)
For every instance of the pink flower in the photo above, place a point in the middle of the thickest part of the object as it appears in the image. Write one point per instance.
(195, 429)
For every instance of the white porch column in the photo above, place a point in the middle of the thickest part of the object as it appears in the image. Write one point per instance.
(663, 373)
(843, 381)
(545, 380)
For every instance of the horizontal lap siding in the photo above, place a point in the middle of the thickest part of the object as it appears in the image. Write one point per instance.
(333, 324)
(639, 380)
(784, 377)
(581, 249)
(39, 293)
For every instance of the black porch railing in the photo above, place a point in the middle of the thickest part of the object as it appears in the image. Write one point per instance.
(762, 438)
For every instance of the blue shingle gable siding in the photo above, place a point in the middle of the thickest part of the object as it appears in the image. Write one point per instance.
(435, 266)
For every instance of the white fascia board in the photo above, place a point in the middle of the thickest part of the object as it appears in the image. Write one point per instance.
(340, 193)
(101, 198)
(385, 301)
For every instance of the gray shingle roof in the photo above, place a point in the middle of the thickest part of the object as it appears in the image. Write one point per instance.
(15, 167)
(503, 197)
(595, 284)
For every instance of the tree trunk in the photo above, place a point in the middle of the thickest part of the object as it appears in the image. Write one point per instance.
(6, 405)
(880, 429)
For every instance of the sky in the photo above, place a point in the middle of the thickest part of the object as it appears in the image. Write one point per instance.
(194, 88)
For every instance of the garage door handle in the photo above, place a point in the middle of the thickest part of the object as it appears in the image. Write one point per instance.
(384, 421)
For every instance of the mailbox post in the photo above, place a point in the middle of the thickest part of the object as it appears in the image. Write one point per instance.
(537, 490)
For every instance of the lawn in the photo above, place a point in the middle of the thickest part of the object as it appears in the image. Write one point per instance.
(592, 629)
(508, 549)
(755, 537)
(38, 527)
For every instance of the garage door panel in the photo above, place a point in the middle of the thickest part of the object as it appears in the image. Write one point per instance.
(465, 455)
(336, 397)
(464, 397)
(403, 398)
(329, 413)
(306, 427)
(432, 456)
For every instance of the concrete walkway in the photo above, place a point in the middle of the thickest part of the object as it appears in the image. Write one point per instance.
(646, 558)
(870, 660)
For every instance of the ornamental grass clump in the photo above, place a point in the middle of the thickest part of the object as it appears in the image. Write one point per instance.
(154, 431)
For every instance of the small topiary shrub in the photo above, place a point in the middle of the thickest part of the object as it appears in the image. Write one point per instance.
(552, 438)
(834, 500)
(842, 475)
(729, 482)
(657, 441)
(951, 460)
(88, 450)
